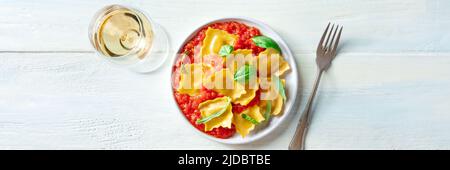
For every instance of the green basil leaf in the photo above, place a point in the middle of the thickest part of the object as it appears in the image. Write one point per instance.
(247, 117)
(266, 42)
(244, 73)
(279, 86)
(268, 110)
(217, 114)
(225, 50)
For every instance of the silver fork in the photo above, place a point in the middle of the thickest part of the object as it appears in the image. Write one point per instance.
(324, 55)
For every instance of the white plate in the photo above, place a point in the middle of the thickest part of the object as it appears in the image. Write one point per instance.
(291, 83)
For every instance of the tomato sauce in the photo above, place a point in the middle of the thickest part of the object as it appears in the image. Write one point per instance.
(189, 104)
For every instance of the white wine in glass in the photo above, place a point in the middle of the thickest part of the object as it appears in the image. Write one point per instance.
(128, 37)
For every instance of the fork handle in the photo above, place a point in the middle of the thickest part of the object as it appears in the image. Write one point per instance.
(298, 141)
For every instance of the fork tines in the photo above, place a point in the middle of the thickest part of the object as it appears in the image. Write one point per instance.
(330, 46)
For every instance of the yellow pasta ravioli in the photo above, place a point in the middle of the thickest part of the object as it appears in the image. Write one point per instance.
(191, 78)
(250, 88)
(239, 58)
(276, 105)
(243, 52)
(269, 92)
(214, 40)
(243, 126)
(211, 107)
(222, 82)
(270, 62)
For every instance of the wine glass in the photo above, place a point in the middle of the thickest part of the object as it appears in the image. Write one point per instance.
(127, 37)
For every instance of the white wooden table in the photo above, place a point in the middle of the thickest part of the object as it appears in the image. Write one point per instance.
(389, 87)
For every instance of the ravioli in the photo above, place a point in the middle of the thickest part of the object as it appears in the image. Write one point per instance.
(270, 93)
(239, 58)
(211, 107)
(242, 57)
(222, 82)
(271, 57)
(277, 105)
(244, 52)
(246, 98)
(214, 40)
(268, 88)
(243, 126)
(191, 78)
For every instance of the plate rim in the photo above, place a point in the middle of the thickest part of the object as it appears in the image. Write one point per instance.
(285, 49)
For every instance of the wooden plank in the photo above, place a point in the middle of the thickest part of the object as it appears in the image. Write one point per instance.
(77, 101)
(370, 26)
